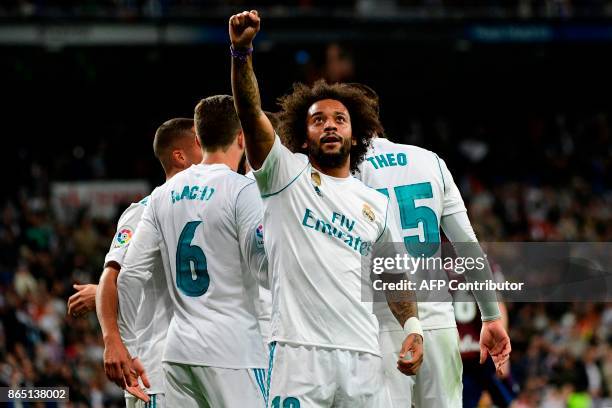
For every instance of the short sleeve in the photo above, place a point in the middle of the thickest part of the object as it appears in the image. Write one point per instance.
(453, 203)
(391, 232)
(279, 170)
(126, 227)
(390, 243)
(249, 213)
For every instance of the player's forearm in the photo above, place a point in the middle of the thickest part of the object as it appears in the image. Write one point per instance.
(402, 304)
(458, 229)
(504, 315)
(107, 301)
(403, 310)
(486, 299)
(130, 291)
(258, 132)
(246, 93)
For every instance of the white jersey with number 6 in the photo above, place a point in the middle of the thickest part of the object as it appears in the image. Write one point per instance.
(422, 191)
(204, 222)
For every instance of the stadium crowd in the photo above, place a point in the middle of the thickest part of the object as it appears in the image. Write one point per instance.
(562, 353)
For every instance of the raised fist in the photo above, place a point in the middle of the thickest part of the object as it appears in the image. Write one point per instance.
(243, 27)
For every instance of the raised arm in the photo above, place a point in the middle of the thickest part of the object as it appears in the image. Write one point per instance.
(258, 130)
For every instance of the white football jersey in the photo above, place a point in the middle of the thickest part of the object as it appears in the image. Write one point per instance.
(316, 229)
(204, 222)
(422, 191)
(154, 309)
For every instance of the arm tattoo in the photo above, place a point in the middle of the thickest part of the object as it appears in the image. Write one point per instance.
(246, 93)
(403, 311)
(403, 304)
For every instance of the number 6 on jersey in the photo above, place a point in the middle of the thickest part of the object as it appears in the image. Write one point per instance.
(191, 269)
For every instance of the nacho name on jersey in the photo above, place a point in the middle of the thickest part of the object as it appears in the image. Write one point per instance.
(201, 193)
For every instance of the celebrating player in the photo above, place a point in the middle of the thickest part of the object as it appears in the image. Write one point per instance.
(176, 147)
(425, 197)
(204, 223)
(319, 222)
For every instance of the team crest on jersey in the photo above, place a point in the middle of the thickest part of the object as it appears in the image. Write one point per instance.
(368, 212)
(316, 178)
(123, 237)
(259, 236)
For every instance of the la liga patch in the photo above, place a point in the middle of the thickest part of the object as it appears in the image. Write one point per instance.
(259, 236)
(123, 237)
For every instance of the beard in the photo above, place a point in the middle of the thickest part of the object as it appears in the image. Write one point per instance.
(330, 160)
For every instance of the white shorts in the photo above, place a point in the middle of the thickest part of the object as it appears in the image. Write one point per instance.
(307, 376)
(156, 401)
(200, 386)
(438, 382)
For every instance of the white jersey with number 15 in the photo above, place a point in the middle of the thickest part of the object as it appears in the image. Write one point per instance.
(422, 191)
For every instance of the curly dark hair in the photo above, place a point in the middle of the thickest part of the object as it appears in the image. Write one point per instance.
(365, 122)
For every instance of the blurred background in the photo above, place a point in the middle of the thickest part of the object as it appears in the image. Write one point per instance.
(516, 96)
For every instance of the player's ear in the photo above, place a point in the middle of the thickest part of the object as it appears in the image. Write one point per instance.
(353, 142)
(178, 158)
(240, 140)
(305, 145)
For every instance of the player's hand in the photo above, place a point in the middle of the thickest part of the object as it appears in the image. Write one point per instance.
(243, 27)
(138, 371)
(495, 341)
(411, 355)
(118, 363)
(504, 372)
(83, 301)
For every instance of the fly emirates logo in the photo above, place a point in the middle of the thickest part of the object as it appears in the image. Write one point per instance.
(341, 228)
